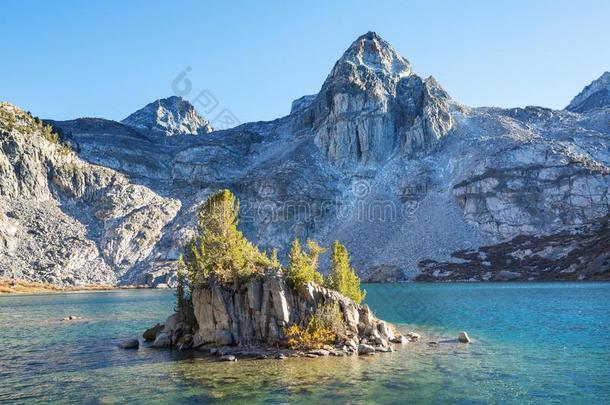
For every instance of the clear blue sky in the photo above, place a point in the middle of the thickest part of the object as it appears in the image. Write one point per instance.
(67, 59)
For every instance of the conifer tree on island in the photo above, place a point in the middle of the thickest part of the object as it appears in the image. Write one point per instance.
(220, 249)
(303, 266)
(343, 277)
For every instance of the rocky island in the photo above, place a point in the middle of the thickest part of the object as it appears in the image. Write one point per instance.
(232, 299)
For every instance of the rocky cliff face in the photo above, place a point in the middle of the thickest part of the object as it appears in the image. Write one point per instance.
(372, 105)
(380, 159)
(64, 221)
(258, 312)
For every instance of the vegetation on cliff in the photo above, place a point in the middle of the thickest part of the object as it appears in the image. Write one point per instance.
(322, 329)
(13, 119)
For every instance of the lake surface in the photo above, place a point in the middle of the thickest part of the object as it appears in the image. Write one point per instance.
(532, 343)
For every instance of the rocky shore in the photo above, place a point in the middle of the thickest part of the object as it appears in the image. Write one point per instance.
(251, 321)
(576, 254)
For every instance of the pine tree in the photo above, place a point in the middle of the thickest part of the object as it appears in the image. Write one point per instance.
(302, 267)
(343, 277)
(184, 303)
(275, 262)
(220, 249)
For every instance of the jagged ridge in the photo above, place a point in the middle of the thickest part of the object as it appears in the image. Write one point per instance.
(170, 116)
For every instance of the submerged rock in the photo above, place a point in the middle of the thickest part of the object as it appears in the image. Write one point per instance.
(72, 318)
(129, 344)
(319, 352)
(399, 339)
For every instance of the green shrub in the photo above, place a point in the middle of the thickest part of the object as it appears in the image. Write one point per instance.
(49, 134)
(329, 316)
(322, 329)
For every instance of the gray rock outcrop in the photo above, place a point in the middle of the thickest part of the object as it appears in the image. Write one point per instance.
(258, 312)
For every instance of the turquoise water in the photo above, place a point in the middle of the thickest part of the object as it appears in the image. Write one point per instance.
(532, 343)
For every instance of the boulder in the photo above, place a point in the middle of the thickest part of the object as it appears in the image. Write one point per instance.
(463, 337)
(150, 334)
(162, 340)
(228, 357)
(185, 342)
(413, 337)
(351, 344)
(171, 322)
(129, 344)
(381, 342)
(384, 330)
(319, 352)
(365, 349)
(399, 339)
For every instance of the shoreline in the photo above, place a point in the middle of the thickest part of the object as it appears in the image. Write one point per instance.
(21, 287)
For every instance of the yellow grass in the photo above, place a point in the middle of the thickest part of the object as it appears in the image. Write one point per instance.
(28, 287)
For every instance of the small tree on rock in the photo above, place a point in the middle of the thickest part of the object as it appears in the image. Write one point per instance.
(343, 277)
(303, 266)
(220, 249)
